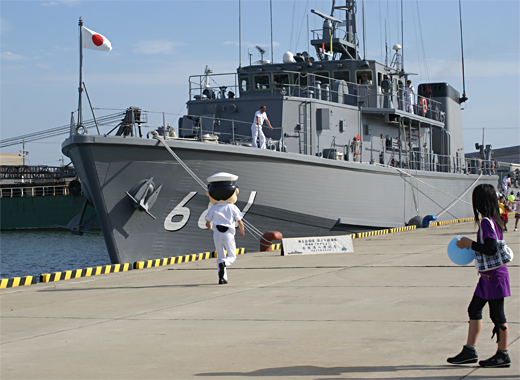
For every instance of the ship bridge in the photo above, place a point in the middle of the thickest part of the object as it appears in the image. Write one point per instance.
(355, 108)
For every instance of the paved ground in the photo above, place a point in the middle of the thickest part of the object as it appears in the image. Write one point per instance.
(396, 308)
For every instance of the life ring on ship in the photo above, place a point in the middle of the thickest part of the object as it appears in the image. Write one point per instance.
(424, 104)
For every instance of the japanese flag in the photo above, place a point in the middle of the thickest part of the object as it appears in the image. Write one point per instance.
(94, 41)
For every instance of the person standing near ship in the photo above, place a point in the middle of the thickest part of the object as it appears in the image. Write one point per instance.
(409, 93)
(493, 285)
(256, 127)
(222, 193)
(506, 181)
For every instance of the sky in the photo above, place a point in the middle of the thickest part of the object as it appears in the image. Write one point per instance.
(157, 45)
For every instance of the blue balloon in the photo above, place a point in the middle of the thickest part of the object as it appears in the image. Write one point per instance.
(460, 256)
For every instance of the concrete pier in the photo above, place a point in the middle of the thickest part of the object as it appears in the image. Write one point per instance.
(395, 308)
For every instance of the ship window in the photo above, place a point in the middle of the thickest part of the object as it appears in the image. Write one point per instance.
(244, 84)
(379, 78)
(364, 77)
(300, 80)
(261, 82)
(280, 80)
(342, 75)
(322, 76)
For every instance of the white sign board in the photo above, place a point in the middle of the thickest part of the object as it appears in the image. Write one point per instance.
(317, 245)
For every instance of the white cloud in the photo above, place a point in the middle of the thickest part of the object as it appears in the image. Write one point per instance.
(8, 56)
(68, 3)
(157, 47)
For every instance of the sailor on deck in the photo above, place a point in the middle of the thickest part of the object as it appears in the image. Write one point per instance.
(222, 193)
(256, 127)
(409, 93)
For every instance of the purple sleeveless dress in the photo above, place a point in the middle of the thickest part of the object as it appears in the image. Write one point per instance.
(492, 284)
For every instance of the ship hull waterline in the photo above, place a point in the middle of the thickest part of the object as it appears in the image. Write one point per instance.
(294, 194)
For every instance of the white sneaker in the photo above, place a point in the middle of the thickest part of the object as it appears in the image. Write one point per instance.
(516, 229)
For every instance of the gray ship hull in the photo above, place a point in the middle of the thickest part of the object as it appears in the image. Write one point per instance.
(295, 194)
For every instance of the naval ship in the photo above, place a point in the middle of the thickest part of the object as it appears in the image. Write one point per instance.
(346, 154)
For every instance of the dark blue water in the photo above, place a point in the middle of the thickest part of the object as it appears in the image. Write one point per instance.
(31, 253)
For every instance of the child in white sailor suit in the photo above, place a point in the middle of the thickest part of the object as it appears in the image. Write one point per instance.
(222, 193)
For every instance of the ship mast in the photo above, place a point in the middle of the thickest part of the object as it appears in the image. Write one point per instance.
(329, 45)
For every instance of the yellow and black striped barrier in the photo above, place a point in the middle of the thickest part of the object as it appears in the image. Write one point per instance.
(180, 259)
(402, 229)
(387, 231)
(105, 269)
(276, 246)
(448, 222)
(85, 272)
(17, 281)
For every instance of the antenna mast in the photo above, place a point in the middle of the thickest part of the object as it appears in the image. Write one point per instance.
(271, 17)
(402, 37)
(464, 97)
(364, 32)
(80, 88)
(239, 34)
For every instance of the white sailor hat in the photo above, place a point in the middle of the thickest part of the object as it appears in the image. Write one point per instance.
(222, 177)
(222, 186)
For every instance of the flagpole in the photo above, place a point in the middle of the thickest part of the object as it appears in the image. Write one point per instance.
(80, 88)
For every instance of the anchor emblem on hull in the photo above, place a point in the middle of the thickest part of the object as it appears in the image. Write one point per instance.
(144, 195)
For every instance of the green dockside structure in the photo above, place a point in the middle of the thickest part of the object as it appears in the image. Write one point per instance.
(40, 197)
(41, 212)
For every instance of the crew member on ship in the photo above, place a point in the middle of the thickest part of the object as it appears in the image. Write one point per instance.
(256, 127)
(409, 93)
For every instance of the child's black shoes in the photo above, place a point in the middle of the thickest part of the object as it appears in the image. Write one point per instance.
(468, 355)
(500, 359)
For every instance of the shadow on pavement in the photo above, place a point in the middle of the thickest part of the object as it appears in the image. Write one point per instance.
(307, 370)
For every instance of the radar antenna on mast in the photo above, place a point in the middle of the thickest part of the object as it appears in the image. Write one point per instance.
(262, 52)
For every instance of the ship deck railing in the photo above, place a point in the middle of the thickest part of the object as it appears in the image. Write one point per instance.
(420, 160)
(413, 158)
(311, 86)
(34, 191)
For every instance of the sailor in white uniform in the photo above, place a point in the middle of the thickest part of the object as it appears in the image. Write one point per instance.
(409, 93)
(222, 193)
(256, 127)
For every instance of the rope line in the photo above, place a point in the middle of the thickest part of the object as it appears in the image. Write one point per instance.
(433, 187)
(190, 172)
(253, 228)
(455, 201)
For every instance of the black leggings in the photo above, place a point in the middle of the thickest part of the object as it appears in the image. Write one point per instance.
(496, 309)
(496, 312)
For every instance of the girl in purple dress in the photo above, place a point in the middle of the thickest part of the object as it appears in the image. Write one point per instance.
(493, 285)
